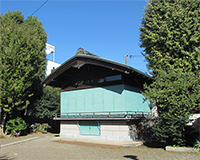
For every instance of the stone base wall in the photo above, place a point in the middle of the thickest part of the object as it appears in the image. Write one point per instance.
(69, 128)
(109, 130)
(115, 130)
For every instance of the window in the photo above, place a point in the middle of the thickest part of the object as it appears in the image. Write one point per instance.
(113, 78)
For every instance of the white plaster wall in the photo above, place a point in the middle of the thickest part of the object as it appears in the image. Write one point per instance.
(51, 65)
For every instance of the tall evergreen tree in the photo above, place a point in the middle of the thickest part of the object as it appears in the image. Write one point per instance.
(23, 61)
(170, 36)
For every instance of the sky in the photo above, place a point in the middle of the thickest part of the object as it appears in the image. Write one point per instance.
(106, 28)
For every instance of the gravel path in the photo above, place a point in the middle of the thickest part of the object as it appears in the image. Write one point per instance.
(43, 148)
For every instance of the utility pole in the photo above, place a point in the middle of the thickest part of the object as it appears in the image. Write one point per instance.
(127, 56)
(130, 56)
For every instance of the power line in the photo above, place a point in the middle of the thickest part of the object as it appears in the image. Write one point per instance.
(40, 7)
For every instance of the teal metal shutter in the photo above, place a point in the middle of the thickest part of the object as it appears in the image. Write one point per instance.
(89, 128)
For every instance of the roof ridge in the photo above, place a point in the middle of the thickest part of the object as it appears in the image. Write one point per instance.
(83, 51)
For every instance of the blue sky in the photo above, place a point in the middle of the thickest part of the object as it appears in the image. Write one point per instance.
(107, 28)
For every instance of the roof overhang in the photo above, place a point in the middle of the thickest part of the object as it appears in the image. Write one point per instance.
(80, 60)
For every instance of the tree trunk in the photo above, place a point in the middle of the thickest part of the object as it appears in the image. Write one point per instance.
(3, 123)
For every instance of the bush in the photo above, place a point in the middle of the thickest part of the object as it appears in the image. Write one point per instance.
(15, 126)
(197, 144)
(37, 127)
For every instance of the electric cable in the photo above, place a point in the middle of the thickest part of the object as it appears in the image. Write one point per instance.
(39, 7)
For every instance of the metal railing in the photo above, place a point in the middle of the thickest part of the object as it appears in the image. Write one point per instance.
(104, 114)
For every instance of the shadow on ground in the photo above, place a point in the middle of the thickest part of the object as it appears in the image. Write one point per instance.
(154, 144)
(131, 157)
(5, 158)
(57, 135)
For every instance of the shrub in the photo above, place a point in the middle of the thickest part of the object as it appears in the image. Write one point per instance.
(197, 144)
(15, 126)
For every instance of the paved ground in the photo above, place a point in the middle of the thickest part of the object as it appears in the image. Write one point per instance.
(43, 147)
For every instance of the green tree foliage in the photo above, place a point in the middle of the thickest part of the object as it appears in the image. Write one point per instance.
(170, 35)
(172, 28)
(48, 104)
(23, 60)
(177, 96)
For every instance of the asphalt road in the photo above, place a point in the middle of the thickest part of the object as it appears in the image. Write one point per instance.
(43, 148)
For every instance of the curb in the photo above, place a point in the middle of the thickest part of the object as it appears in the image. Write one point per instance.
(181, 149)
(13, 143)
(88, 144)
(99, 143)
